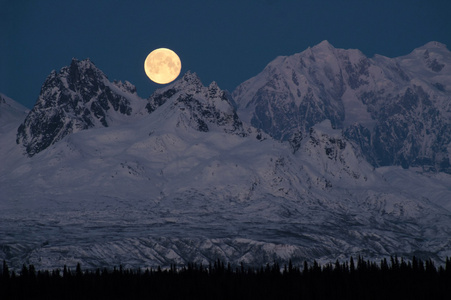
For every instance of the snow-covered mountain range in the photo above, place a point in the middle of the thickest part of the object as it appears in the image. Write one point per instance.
(323, 155)
(397, 110)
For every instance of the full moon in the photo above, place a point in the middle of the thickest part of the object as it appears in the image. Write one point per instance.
(162, 65)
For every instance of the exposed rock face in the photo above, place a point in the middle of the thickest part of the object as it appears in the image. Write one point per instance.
(197, 106)
(76, 98)
(396, 110)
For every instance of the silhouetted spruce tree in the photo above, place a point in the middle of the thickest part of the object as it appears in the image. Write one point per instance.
(24, 271)
(448, 267)
(351, 265)
(5, 270)
(78, 271)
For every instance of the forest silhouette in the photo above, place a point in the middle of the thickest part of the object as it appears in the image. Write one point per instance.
(361, 279)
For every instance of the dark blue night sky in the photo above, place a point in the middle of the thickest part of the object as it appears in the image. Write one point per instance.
(223, 41)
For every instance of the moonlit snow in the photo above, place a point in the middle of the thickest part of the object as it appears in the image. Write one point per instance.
(182, 178)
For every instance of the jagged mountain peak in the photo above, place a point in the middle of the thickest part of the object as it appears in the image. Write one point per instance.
(325, 53)
(79, 77)
(78, 97)
(125, 86)
(322, 51)
(394, 100)
(190, 85)
(86, 63)
(189, 81)
(193, 105)
(191, 77)
(214, 88)
(309, 84)
(80, 72)
(323, 46)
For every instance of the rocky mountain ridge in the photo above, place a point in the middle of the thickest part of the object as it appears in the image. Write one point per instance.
(396, 109)
(199, 105)
(76, 98)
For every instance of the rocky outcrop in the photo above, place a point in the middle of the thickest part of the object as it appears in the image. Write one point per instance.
(76, 98)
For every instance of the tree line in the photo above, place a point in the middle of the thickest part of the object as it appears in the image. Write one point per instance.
(361, 279)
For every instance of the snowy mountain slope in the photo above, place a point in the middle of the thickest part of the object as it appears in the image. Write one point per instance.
(12, 115)
(184, 179)
(76, 98)
(102, 200)
(397, 110)
(180, 200)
